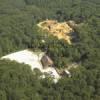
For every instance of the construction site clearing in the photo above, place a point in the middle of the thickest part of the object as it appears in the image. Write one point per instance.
(59, 29)
(38, 60)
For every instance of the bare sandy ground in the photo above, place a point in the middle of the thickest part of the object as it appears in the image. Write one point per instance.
(32, 59)
(59, 29)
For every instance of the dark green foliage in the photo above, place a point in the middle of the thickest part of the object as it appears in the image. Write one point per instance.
(18, 82)
(18, 30)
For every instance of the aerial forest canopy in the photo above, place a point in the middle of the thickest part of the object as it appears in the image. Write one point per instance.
(18, 30)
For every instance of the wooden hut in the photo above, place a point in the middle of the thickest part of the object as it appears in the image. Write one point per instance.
(46, 61)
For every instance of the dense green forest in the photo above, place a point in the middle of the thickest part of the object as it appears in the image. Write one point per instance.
(18, 30)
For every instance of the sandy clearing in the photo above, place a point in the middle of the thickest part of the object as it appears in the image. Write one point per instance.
(59, 29)
(32, 59)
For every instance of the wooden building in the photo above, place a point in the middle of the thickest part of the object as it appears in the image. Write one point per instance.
(46, 61)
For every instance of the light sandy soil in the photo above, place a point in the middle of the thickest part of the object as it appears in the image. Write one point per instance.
(58, 29)
(32, 59)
